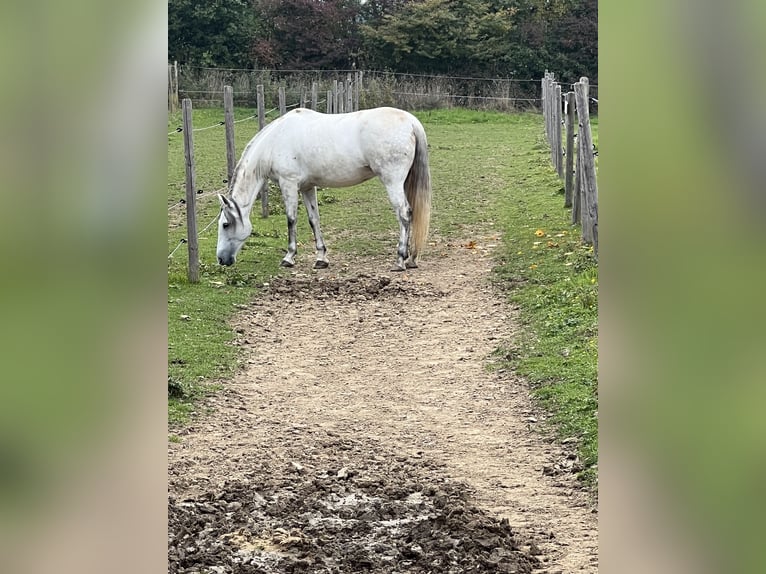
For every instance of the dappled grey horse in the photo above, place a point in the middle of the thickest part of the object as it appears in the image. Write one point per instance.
(304, 149)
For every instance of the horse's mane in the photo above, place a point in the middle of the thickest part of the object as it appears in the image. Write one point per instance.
(252, 152)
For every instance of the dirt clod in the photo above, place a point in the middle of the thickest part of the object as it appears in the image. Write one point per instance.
(308, 524)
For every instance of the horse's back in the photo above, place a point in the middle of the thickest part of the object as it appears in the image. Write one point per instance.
(383, 122)
(336, 150)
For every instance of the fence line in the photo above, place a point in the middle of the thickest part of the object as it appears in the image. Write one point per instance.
(370, 88)
(352, 71)
(582, 193)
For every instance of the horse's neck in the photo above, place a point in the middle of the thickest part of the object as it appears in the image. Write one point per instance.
(247, 187)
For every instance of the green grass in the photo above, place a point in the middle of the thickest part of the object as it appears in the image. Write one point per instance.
(199, 336)
(491, 173)
(554, 280)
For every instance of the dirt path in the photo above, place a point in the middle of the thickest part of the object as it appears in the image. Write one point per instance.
(359, 373)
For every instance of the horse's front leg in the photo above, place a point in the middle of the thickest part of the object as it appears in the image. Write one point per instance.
(290, 198)
(310, 201)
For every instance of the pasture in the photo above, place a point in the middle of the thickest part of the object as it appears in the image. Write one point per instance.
(493, 190)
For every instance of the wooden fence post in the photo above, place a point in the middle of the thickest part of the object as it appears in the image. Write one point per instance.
(261, 105)
(171, 105)
(314, 96)
(570, 113)
(173, 87)
(577, 191)
(191, 192)
(335, 96)
(589, 206)
(557, 147)
(228, 117)
(282, 106)
(329, 102)
(357, 88)
(261, 124)
(548, 96)
(349, 94)
(552, 119)
(544, 101)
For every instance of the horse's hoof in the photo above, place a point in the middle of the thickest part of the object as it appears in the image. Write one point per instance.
(319, 264)
(286, 263)
(398, 268)
(411, 265)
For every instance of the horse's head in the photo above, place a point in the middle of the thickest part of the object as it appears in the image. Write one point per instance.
(233, 230)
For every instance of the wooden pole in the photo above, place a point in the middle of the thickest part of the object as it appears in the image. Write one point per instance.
(171, 107)
(314, 95)
(261, 124)
(558, 147)
(175, 83)
(282, 106)
(228, 117)
(552, 119)
(548, 108)
(335, 96)
(329, 101)
(191, 193)
(577, 190)
(568, 179)
(544, 101)
(173, 86)
(349, 94)
(357, 87)
(261, 106)
(589, 206)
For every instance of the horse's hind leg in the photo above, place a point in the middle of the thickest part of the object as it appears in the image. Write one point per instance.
(404, 215)
(290, 198)
(310, 201)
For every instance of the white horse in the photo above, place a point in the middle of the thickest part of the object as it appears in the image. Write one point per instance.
(303, 150)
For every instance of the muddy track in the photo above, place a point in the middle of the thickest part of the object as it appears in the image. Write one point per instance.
(366, 433)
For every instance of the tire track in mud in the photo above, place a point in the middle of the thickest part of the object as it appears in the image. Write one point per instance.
(356, 372)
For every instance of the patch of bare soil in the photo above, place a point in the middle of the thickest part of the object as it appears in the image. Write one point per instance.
(365, 433)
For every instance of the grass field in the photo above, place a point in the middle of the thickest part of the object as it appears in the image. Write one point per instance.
(490, 171)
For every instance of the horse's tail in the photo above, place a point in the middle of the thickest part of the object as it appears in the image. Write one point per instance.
(417, 188)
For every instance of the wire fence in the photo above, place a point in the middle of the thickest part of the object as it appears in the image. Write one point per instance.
(378, 88)
(579, 175)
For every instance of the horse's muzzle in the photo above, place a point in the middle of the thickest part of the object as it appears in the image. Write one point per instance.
(228, 262)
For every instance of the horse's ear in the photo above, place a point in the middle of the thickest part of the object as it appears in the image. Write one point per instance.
(224, 202)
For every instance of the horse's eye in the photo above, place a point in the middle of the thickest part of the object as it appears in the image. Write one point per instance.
(225, 224)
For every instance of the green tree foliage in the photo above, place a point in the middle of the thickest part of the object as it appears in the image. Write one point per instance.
(307, 34)
(519, 38)
(211, 32)
(512, 38)
(439, 36)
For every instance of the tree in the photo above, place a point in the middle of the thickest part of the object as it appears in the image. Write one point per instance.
(439, 36)
(511, 38)
(211, 33)
(308, 34)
